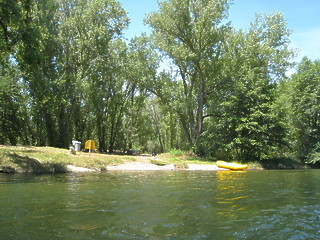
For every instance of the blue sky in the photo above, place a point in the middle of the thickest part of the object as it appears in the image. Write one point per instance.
(303, 18)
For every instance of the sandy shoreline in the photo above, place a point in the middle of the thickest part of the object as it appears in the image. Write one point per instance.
(140, 166)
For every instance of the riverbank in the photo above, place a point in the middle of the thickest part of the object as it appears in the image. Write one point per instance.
(30, 159)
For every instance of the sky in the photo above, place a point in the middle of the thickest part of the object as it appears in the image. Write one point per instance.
(302, 16)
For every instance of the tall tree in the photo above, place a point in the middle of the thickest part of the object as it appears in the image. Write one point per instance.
(11, 124)
(190, 33)
(63, 43)
(246, 127)
(36, 54)
(14, 20)
(102, 56)
(305, 111)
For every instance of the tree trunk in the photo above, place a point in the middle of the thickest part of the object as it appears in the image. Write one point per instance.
(200, 104)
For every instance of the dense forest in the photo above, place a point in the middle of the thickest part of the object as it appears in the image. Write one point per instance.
(67, 73)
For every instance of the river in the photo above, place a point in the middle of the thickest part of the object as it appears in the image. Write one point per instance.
(282, 204)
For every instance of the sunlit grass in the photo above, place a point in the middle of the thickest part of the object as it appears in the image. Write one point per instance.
(48, 159)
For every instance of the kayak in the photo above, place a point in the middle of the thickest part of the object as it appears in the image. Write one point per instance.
(231, 166)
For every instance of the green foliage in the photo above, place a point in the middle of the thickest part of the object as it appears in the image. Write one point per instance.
(176, 152)
(246, 128)
(314, 155)
(11, 126)
(190, 33)
(304, 94)
(66, 73)
(13, 24)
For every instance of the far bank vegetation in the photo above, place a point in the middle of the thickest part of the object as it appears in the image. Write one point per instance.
(194, 84)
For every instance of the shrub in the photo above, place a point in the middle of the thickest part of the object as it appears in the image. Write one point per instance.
(176, 152)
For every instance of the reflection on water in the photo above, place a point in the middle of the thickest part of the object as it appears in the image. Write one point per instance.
(232, 191)
(161, 205)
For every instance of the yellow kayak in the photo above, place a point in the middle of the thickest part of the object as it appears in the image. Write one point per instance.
(231, 166)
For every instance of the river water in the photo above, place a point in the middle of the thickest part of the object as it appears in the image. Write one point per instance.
(162, 205)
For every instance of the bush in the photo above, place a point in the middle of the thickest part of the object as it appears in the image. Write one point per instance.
(176, 152)
(314, 156)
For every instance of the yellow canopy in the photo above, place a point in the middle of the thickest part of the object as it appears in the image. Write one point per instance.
(90, 144)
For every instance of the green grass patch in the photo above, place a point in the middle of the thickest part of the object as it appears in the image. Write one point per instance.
(52, 160)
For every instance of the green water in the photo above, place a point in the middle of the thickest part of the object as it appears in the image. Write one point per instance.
(162, 205)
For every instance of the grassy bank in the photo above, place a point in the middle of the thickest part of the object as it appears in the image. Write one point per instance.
(23, 159)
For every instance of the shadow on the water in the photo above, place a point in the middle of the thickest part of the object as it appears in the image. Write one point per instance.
(280, 163)
(32, 165)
